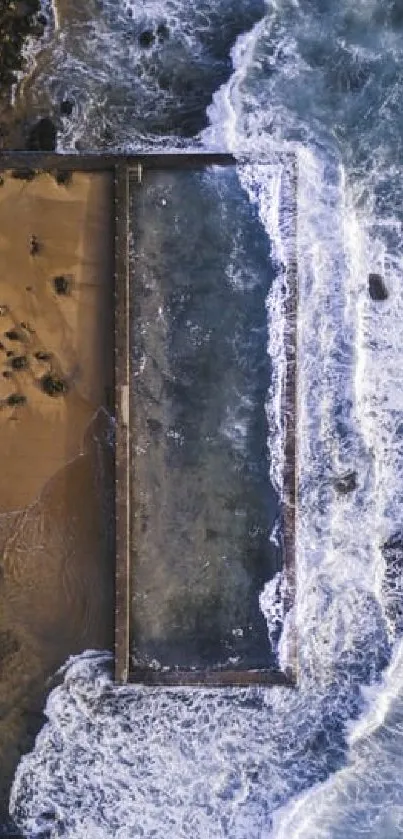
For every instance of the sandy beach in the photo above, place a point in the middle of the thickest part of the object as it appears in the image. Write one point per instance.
(56, 440)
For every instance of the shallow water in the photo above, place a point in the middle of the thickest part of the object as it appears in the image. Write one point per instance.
(203, 503)
(323, 81)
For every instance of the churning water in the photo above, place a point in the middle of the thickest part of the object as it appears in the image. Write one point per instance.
(324, 81)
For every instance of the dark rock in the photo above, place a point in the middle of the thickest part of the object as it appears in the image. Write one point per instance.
(12, 335)
(16, 399)
(154, 425)
(48, 815)
(163, 32)
(20, 362)
(43, 136)
(23, 174)
(41, 355)
(62, 285)
(147, 38)
(377, 288)
(34, 246)
(7, 374)
(66, 107)
(346, 483)
(53, 385)
(392, 584)
(9, 354)
(63, 177)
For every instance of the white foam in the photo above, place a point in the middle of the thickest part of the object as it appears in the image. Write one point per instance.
(379, 699)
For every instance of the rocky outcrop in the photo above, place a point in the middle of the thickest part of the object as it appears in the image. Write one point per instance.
(42, 136)
(377, 288)
(19, 19)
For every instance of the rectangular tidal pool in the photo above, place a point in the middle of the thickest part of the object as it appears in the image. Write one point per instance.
(202, 504)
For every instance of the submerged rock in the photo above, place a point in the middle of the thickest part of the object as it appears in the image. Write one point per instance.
(43, 136)
(392, 584)
(377, 288)
(163, 32)
(147, 38)
(346, 483)
(66, 107)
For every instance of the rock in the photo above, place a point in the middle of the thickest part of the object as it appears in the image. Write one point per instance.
(377, 288)
(346, 483)
(34, 245)
(23, 174)
(16, 399)
(66, 107)
(392, 584)
(42, 355)
(12, 335)
(147, 38)
(53, 385)
(20, 362)
(63, 177)
(43, 136)
(62, 285)
(163, 32)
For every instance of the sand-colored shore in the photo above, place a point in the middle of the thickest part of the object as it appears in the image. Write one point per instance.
(56, 452)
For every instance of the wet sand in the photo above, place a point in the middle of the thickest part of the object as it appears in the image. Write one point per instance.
(56, 440)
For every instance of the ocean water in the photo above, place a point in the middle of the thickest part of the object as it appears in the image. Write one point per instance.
(322, 81)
